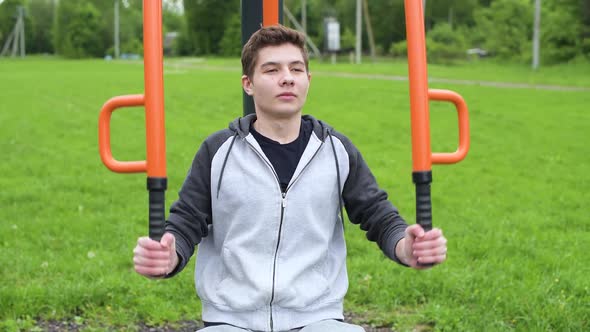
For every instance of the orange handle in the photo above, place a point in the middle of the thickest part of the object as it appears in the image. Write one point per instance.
(418, 81)
(422, 155)
(153, 99)
(154, 88)
(104, 135)
(461, 106)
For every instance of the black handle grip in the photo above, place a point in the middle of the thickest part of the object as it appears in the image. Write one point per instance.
(423, 201)
(157, 205)
(423, 206)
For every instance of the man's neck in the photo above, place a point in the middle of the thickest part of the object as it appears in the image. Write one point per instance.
(283, 130)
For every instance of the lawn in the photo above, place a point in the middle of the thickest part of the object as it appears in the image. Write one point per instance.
(513, 211)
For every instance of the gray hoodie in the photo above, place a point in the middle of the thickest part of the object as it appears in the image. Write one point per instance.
(273, 261)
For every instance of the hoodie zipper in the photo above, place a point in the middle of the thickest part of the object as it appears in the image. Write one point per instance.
(274, 264)
(283, 206)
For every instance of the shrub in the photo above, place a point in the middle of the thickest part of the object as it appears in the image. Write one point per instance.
(444, 45)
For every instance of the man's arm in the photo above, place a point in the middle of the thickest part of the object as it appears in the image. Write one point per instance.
(190, 215)
(188, 221)
(368, 205)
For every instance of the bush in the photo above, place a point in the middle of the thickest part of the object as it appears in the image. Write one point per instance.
(230, 44)
(444, 45)
(506, 28)
(183, 45)
(399, 49)
(585, 46)
(79, 35)
(347, 40)
(560, 41)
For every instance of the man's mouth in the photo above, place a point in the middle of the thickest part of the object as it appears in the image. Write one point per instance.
(287, 94)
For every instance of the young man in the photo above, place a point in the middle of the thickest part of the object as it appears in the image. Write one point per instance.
(263, 200)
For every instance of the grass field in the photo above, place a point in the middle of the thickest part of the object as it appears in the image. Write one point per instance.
(514, 212)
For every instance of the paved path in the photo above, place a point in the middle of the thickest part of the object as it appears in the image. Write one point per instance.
(177, 67)
(508, 85)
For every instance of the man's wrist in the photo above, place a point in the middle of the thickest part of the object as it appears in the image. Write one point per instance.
(175, 268)
(400, 252)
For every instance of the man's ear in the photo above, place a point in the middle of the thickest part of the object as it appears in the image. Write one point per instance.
(309, 76)
(247, 85)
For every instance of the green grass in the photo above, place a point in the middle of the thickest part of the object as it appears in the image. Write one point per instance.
(575, 74)
(513, 211)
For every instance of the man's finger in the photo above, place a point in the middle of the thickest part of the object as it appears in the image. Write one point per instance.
(438, 251)
(147, 262)
(167, 240)
(432, 234)
(429, 244)
(415, 231)
(151, 254)
(147, 243)
(151, 271)
(432, 259)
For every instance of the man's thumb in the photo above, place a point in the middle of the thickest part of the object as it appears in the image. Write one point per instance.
(167, 240)
(415, 231)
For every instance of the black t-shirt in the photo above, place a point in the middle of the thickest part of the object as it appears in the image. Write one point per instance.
(285, 157)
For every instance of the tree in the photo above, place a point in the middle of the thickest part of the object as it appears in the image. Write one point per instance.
(8, 10)
(41, 12)
(206, 21)
(389, 22)
(585, 12)
(8, 17)
(76, 34)
(560, 32)
(231, 43)
(507, 26)
(444, 45)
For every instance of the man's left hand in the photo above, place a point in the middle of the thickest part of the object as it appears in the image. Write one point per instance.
(420, 249)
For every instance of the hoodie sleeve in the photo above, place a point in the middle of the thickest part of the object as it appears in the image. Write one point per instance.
(368, 205)
(190, 215)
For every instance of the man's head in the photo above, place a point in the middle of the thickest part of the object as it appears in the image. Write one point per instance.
(275, 35)
(276, 75)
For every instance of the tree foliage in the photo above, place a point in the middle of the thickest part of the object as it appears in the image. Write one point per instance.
(41, 14)
(444, 45)
(504, 28)
(8, 17)
(77, 36)
(206, 22)
(507, 26)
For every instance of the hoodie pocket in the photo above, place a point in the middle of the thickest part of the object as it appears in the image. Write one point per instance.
(242, 288)
(305, 290)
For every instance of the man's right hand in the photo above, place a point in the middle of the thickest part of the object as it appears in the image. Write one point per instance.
(155, 259)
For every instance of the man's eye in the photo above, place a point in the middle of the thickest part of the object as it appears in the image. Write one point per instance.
(271, 70)
(297, 70)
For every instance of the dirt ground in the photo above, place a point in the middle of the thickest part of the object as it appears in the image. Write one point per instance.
(182, 326)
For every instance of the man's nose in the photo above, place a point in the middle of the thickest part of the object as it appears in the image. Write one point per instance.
(287, 79)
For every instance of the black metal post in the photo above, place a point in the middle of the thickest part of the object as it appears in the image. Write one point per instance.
(251, 22)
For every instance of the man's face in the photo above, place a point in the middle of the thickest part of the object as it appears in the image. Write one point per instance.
(280, 81)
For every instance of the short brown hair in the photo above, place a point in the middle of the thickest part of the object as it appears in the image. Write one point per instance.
(275, 35)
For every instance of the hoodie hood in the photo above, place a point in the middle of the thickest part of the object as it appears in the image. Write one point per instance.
(241, 126)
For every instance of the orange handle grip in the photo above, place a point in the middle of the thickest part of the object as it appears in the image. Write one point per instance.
(461, 106)
(104, 135)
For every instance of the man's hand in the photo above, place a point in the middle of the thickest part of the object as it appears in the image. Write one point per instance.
(155, 259)
(419, 247)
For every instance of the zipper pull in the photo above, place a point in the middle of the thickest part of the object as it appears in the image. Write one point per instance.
(284, 203)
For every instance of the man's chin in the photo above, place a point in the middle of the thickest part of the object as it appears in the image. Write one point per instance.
(284, 113)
